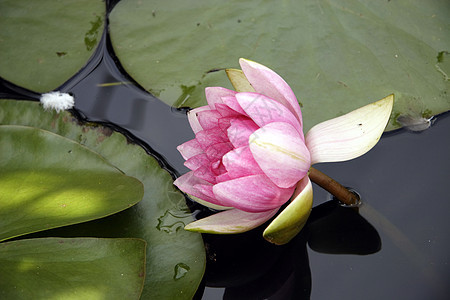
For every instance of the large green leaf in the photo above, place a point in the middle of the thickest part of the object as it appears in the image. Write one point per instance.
(44, 43)
(83, 268)
(49, 181)
(175, 257)
(336, 55)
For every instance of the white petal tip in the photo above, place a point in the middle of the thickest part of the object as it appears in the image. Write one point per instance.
(230, 222)
(351, 135)
(57, 101)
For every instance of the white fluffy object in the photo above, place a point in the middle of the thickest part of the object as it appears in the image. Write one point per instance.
(57, 101)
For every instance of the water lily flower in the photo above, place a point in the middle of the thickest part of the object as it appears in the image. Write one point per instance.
(250, 156)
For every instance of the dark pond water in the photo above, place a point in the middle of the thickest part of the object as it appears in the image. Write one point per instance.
(397, 246)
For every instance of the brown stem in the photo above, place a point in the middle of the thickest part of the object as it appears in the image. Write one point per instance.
(334, 187)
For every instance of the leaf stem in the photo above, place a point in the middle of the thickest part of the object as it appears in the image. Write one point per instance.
(334, 187)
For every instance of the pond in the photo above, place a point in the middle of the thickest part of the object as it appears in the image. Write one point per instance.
(403, 185)
(394, 245)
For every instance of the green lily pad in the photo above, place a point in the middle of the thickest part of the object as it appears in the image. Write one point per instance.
(336, 55)
(84, 268)
(44, 43)
(175, 257)
(49, 181)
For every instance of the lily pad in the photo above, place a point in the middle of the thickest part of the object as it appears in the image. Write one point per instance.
(44, 43)
(50, 181)
(175, 257)
(83, 268)
(336, 55)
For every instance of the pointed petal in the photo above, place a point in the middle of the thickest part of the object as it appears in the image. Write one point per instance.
(193, 120)
(206, 189)
(208, 119)
(224, 177)
(224, 123)
(281, 153)
(264, 110)
(240, 163)
(214, 95)
(292, 219)
(231, 221)
(239, 81)
(187, 183)
(209, 204)
(254, 193)
(218, 168)
(197, 161)
(205, 173)
(350, 135)
(232, 103)
(190, 149)
(225, 110)
(216, 151)
(206, 138)
(270, 84)
(240, 131)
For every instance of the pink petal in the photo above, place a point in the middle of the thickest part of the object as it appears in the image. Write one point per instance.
(231, 221)
(187, 183)
(281, 153)
(270, 84)
(232, 103)
(216, 151)
(190, 149)
(264, 110)
(351, 135)
(193, 120)
(206, 173)
(292, 219)
(206, 138)
(254, 193)
(240, 163)
(197, 161)
(218, 168)
(224, 123)
(226, 111)
(214, 95)
(206, 189)
(223, 177)
(208, 119)
(240, 131)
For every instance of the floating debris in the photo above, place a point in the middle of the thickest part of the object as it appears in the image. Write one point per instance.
(57, 101)
(415, 123)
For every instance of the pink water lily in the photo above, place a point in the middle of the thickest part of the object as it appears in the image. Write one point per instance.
(249, 155)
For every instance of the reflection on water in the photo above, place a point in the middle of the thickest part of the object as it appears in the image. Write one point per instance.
(398, 248)
(251, 268)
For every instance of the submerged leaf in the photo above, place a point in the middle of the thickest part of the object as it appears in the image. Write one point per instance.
(76, 268)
